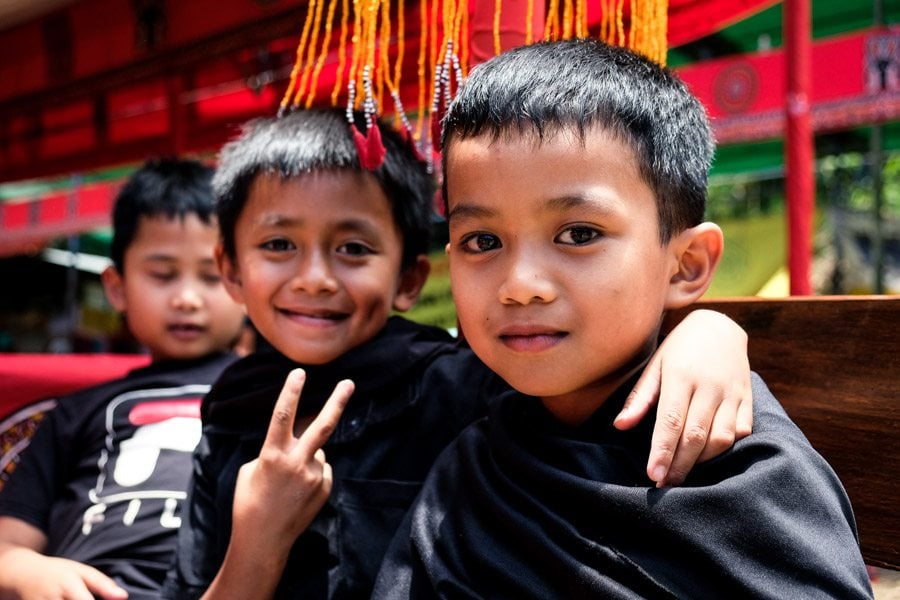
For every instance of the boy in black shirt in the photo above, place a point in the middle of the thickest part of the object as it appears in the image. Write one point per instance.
(576, 184)
(94, 503)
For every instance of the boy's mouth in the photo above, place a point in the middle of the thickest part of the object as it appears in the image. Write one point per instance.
(185, 330)
(313, 314)
(530, 338)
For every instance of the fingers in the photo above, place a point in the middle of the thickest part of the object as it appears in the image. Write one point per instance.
(643, 396)
(99, 584)
(708, 429)
(326, 421)
(670, 419)
(327, 477)
(744, 425)
(281, 427)
(722, 431)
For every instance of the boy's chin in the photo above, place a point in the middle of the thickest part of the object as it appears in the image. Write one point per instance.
(313, 358)
(530, 385)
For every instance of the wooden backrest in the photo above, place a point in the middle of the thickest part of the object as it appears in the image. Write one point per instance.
(834, 364)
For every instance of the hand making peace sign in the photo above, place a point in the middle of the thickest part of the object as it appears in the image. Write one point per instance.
(279, 493)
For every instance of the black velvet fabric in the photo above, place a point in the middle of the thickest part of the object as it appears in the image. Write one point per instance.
(521, 506)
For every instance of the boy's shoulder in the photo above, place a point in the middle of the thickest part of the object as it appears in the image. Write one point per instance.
(199, 373)
(519, 421)
(70, 412)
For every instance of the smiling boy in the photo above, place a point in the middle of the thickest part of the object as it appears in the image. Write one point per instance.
(575, 183)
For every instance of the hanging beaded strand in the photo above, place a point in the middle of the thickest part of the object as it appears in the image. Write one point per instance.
(420, 71)
(310, 51)
(323, 54)
(497, 7)
(342, 53)
(298, 60)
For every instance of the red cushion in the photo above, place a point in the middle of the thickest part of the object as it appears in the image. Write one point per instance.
(25, 378)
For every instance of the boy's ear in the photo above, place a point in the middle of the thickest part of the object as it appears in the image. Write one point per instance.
(231, 277)
(411, 282)
(698, 251)
(114, 287)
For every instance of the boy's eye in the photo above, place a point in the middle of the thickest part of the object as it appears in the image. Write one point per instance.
(277, 245)
(578, 236)
(163, 275)
(480, 242)
(211, 278)
(355, 249)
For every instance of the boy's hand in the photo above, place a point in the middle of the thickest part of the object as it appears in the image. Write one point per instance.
(282, 490)
(701, 376)
(278, 494)
(29, 575)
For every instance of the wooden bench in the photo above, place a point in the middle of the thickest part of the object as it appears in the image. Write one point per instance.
(834, 363)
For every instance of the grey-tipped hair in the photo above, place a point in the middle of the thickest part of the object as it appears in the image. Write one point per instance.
(320, 139)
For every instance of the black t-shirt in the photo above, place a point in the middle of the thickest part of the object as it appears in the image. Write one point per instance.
(521, 506)
(106, 473)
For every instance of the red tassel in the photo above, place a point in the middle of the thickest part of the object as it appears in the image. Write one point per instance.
(369, 147)
(376, 151)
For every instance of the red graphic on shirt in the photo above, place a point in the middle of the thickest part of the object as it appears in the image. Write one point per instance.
(157, 411)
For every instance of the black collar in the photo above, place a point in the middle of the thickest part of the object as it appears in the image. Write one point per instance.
(244, 396)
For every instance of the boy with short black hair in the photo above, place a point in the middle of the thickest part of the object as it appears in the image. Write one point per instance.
(94, 503)
(321, 251)
(576, 183)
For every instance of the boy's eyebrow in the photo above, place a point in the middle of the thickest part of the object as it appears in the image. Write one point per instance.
(463, 210)
(358, 225)
(561, 203)
(597, 202)
(565, 202)
(346, 224)
(159, 257)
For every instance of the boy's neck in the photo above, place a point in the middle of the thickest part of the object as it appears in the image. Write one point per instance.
(576, 407)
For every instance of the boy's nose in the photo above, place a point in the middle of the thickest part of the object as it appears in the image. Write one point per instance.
(188, 298)
(527, 281)
(315, 275)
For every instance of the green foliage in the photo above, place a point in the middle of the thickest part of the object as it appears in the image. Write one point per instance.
(755, 248)
(435, 305)
(846, 180)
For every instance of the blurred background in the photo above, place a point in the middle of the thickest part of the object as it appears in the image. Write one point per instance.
(93, 87)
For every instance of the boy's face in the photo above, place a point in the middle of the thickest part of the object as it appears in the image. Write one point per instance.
(171, 290)
(558, 273)
(318, 263)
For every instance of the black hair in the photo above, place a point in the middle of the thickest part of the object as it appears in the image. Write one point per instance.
(161, 186)
(321, 139)
(577, 84)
